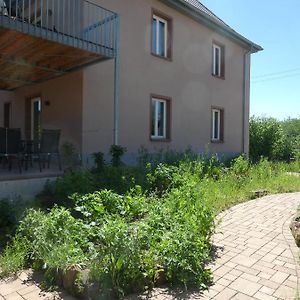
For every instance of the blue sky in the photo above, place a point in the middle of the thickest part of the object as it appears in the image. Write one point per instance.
(275, 25)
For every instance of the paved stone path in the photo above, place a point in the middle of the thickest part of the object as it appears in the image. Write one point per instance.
(257, 257)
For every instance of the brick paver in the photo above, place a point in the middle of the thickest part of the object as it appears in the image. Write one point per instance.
(257, 257)
(23, 287)
(266, 254)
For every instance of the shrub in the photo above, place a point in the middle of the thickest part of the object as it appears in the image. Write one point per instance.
(14, 257)
(266, 139)
(118, 264)
(70, 156)
(296, 148)
(240, 166)
(81, 182)
(55, 239)
(99, 161)
(117, 152)
(11, 212)
(94, 207)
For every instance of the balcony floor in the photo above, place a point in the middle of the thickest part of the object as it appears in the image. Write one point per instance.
(27, 59)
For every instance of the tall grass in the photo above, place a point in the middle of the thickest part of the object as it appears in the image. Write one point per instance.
(158, 232)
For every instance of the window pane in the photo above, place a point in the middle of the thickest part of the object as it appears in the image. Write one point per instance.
(216, 125)
(217, 61)
(153, 118)
(154, 35)
(162, 35)
(161, 119)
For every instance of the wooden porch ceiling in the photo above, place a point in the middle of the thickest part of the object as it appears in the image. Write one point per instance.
(26, 59)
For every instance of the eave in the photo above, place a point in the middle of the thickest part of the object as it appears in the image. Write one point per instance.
(211, 23)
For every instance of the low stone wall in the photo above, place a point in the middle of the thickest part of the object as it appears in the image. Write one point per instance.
(27, 188)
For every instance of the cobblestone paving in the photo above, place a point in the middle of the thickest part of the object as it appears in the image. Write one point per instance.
(257, 257)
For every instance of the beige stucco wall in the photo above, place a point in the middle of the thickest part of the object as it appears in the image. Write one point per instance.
(81, 104)
(64, 112)
(187, 79)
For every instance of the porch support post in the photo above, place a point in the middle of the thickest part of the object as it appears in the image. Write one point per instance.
(117, 84)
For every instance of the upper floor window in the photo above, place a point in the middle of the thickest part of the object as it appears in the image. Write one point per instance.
(161, 35)
(218, 61)
(217, 134)
(160, 123)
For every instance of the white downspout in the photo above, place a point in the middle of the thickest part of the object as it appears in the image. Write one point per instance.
(117, 85)
(245, 78)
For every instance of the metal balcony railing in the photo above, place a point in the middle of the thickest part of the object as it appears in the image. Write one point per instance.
(78, 23)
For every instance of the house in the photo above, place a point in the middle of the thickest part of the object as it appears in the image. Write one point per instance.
(151, 73)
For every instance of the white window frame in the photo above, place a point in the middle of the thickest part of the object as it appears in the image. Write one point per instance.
(156, 51)
(219, 71)
(214, 111)
(157, 102)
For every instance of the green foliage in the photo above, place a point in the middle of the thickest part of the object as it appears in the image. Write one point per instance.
(99, 161)
(117, 152)
(69, 156)
(165, 156)
(11, 212)
(54, 239)
(240, 166)
(57, 192)
(14, 257)
(163, 178)
(273, 139)
(266, 139)
(94, 207)
(296, 148)
(157, 232)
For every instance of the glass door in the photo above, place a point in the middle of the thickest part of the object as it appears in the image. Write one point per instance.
(36, 109)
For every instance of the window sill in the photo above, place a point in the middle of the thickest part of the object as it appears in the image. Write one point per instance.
(217, 142)
(218, 77)
(162, 57)
(161, 140)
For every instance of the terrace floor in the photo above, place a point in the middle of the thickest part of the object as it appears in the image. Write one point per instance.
(31, 173)
(257, 257)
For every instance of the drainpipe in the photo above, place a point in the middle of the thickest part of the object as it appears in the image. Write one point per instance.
(117, 84)
(245, 75)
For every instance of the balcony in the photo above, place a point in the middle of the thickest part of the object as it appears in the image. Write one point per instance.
(43, 39)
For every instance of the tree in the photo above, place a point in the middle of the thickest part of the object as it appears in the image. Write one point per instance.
(266, 139)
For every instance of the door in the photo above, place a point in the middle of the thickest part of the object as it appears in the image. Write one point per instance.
(36, 109)
(33, 110)
(7, 114)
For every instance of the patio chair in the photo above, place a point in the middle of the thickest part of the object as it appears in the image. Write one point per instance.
(14, 147)
(10, 146)
(49, 147)
(3, 8)
(3, 144)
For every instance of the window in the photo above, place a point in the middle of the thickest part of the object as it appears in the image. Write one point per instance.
(160, 118)
(218, 61)
(7, 114)
(161, 35)
(217, 125)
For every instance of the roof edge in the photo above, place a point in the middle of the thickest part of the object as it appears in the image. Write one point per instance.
(210, 22)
